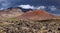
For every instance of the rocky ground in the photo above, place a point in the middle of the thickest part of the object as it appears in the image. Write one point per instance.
(15, 26)
(13, 20)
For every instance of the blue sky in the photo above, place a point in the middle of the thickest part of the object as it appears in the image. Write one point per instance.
(52, 6)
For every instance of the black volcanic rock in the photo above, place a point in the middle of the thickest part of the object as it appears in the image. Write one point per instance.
(24, 10)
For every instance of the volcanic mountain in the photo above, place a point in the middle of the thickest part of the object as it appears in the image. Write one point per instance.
(10, 13)
(36, 15)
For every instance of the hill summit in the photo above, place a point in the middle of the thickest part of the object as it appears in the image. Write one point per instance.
(36, 15)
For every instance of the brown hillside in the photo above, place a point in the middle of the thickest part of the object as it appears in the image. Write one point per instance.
(36, 15)
(9, 13)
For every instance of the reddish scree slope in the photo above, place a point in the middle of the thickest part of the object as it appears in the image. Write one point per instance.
(36, 15)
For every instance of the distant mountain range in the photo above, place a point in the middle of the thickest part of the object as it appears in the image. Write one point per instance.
(10, 12)
(28, 14)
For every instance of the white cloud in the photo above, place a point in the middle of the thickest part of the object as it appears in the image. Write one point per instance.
(41, 7)
(1, 8)
(2, 0)
(26, 6)
(4, 3)
(32, 7)
(7, 3)
(53, 8)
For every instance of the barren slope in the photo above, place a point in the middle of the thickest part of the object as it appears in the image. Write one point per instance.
(9, 13)
(36, 15)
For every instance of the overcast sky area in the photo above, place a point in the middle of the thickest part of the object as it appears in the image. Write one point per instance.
(52, 6)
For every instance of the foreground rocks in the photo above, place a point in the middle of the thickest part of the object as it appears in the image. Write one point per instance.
(49, 26)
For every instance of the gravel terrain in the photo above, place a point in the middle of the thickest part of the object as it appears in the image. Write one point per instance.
(51, 26)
